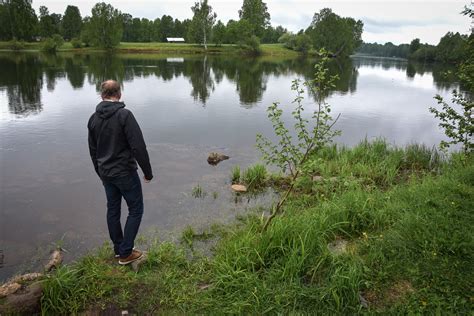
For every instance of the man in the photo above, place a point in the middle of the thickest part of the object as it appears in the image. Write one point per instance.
(116, 144)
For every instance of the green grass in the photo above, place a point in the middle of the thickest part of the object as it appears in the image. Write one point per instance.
(235, 175)
(255, 177)
(404, 213)
(168, 48)
(198, 192)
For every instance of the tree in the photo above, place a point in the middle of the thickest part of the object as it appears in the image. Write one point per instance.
(238, 31)
(218, 33)
(166, 27)
(256, 12)
(72, 22)
(340, 36)
(127, 27)
(18, 19)
(86, 32)
(415, 45)
(202, 22)
(5, 29)
(105, 26)
(46, 23)
(452, 48)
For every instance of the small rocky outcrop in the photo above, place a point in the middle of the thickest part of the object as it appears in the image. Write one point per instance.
(215, 158)
(239, 188)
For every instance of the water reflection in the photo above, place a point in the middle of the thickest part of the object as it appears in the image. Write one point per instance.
(22, 78)
(23, 75)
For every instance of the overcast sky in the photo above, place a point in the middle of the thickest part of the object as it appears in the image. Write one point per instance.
(397, 21)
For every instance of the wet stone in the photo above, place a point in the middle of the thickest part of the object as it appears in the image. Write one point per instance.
(215, 158)
(239, 188)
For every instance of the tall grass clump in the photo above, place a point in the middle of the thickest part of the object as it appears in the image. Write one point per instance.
(255, 177)
(198, 192)
(235, 175)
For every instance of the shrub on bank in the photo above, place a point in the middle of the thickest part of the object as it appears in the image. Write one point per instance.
(16, 45)
(76, 42)
(52, 44)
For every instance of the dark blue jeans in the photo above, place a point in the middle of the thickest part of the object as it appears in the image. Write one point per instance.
(130, 189)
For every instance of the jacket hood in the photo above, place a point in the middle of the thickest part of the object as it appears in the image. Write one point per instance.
(106, 109)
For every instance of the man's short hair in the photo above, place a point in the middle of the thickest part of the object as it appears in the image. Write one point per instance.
(110, 89)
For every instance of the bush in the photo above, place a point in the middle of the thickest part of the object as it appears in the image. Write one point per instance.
(16, 45)
(288, 40)
(302, 43)
(252, 45)
(76, 42)
(51, 45)
(255, 177)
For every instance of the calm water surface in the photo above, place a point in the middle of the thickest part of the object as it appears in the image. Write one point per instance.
(187, 107)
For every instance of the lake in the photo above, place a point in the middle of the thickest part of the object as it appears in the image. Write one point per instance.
(187, 106)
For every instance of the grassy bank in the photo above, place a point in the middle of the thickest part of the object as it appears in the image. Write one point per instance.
(168, 48)
(375, 230)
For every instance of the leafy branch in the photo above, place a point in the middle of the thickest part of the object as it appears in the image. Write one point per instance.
(458, 126)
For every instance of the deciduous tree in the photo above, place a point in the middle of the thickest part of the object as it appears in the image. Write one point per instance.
(72, 22)
(340, 36)
(105, 26)
(202, 22)
(19, 19)
(256, 13)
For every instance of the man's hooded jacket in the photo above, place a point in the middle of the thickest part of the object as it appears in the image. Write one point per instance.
(116, 142)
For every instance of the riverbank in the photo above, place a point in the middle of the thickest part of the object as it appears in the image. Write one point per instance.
(166, 48)
(375, 229)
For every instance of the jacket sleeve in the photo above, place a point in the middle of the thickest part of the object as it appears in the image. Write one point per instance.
(93, 147)
(137, 144)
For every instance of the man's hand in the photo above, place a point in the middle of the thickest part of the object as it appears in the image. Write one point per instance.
(146, 180)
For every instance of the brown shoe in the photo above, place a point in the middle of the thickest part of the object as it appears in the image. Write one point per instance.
(134, 256)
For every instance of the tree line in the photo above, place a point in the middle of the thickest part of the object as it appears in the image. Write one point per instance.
(106, 27)
(452, 48)
(18, 20)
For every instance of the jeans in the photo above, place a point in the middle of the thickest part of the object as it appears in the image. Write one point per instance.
(130, 189)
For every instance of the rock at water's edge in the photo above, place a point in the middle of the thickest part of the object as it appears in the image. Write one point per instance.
(215, 158)
(239, 188)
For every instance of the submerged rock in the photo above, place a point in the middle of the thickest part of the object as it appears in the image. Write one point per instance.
(54, 261)
(215, 158)
(239, 188)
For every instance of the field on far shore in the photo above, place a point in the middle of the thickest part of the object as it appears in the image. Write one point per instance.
(155, 47)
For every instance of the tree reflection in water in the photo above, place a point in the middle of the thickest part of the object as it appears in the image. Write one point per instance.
(23, 74)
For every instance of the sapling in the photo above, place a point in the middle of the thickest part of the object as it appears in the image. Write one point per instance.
(291, 154)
